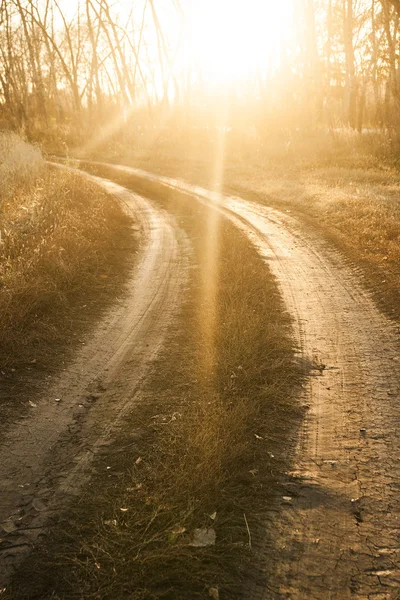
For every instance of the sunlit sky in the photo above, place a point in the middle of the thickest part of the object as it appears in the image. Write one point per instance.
(222, 41)
(229, 38)
(226, 40)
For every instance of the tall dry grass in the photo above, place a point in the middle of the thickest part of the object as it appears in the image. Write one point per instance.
(59, 235)
(20, 164)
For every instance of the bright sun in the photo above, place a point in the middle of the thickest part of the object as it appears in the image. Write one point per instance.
(227, 40)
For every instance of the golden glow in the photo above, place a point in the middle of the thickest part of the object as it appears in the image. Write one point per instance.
(227, 40)
(211, 267)
(215, 43)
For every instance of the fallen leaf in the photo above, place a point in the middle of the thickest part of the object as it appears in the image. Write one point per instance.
(176, 532)
(135, 489)
(179, 530)
(138, 460)
(112, 522)
(32, 404)
(203, 537)
(124, 509)
(213, 516)
(258, 437)
(213, 592)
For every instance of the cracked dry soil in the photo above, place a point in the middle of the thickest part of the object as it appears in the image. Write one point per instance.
(336, 526)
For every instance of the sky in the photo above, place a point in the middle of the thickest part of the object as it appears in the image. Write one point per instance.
(229, 38)
(223, 42)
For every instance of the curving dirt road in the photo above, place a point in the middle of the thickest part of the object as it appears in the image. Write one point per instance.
(337, 531)
(46, 456)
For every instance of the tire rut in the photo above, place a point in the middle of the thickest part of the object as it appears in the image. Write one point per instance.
(336, 533)
(47, 456)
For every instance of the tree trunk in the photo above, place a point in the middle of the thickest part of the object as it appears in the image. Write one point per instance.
(351, 82)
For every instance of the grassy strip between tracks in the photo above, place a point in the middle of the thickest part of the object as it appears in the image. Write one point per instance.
(203, 450)
(65, 250)
(346, 186)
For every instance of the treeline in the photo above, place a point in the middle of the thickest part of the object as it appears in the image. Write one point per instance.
(350, 62)
(67, 68)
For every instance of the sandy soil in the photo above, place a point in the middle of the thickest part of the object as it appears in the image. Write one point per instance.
(47, 455)
(336, 530)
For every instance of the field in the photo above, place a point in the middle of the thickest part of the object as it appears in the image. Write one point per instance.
(185, 491)
(344, 184)
(199, 300)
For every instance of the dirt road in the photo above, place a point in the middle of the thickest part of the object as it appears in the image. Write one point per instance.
(337, 531)
(47, 455)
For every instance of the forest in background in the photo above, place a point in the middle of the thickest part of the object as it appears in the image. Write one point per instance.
(69, 71)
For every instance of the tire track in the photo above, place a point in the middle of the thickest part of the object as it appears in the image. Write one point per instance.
(47, 455)
(337, 531)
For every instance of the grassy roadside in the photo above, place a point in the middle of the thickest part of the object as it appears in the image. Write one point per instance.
(346, 186)
(202, 454)
(357, 211)
(65, 249)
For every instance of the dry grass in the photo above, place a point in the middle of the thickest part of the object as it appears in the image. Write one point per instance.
(205, 449)
(207, 452)
(64, 252)
(20, 163)
(345, 185)
(358, 210)
(48, 255)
